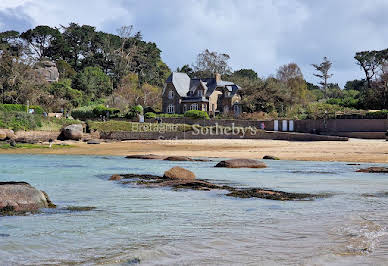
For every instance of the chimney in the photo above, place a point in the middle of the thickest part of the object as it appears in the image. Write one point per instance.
(218, 77)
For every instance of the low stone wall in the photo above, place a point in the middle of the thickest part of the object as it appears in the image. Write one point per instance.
(120, 135)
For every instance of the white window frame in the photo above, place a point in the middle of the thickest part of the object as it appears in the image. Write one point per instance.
(194, 106)
(171, 94)
(184, 107)
(199, 93)
(171, 109)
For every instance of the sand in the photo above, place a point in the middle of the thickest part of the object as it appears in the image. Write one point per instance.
(354, 150)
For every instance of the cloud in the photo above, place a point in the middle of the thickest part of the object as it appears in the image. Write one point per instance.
(262, 35)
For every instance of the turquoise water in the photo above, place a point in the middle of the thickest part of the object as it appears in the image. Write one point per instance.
(162, 226)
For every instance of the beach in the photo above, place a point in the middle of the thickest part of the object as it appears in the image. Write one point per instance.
(354, 150)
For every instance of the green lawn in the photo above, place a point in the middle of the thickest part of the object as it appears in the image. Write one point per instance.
(6, 146)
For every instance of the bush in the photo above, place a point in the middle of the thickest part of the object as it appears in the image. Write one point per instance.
(134, 111)
(101, 110)
(383, 114)
(170, 115)
(20, 108)
(19, 120)
(197, 114)
(150, 115)
(83, 113)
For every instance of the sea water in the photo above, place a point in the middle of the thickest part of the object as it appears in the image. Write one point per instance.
(154, 226)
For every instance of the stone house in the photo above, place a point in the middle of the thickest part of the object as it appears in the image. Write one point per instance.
(212, 95)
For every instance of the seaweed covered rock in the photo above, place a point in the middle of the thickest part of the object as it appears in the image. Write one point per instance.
(20, 197)
(241, 163)
(179, 173)
(115, 178)
(145, 157)
(270, 157)
(73, 132)
(374, 170)
(178, 158)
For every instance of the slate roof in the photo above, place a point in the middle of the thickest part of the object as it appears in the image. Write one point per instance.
(183, 84)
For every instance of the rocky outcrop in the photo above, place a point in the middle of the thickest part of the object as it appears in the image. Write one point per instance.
(270, 157)
(21, 197)
(73, 132)
(47, 70)
(115, 178)
(179, 173)
(93, 142)
(7, 134)
(146, 157)
(152, 181)
(178, 158)
(374, 170)
(241, 163)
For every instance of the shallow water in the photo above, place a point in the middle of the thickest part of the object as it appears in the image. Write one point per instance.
(162, 226)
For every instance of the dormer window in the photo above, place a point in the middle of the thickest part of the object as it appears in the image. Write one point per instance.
(171, 94)
(199, 93)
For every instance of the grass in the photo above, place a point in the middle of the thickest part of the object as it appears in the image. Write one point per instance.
(33, 146)
(112, 125)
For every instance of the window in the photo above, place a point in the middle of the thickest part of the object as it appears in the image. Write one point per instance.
(236, 109)
(194, 106)
(213, 107)
(203, 107)
(184, 108)
(171, 109)
(171, 94)
(199, 93)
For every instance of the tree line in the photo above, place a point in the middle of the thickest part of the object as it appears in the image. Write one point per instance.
(123, 70)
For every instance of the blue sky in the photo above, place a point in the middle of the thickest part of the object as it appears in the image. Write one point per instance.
(261, 35)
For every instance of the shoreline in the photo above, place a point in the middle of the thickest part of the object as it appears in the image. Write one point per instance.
(354, 150)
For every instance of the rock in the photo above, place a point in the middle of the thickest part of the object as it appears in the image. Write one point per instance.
(12, 143)
(241, 163)
(3, 135)
(152, 181)
(178, 158)
(48, 70)
(73, 132)
(10, 133)
(179, 173)
(374, 170)
(115, 177)
(270, 157)
(146, 157)
(79, 208)
(21, 197)
(93, 141)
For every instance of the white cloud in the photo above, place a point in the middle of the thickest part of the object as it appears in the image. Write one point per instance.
(257, 34)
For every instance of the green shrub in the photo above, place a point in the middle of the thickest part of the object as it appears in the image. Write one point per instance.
(83, 113)
(383, 114)
(150, 115)
(20, 120)
(197, 114)
(20, 108)
(101, 110)
(134, 111)
(170, 115)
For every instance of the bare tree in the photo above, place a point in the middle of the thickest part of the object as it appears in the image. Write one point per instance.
(323, 73)
(208, 63)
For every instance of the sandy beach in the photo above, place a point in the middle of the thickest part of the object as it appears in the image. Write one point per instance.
(354, 150)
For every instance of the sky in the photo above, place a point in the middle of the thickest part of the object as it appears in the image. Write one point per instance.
(262, 35)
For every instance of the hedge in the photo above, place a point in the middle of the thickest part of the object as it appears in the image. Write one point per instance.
(92, 112)
(150, 115)
(197, 114)
(20, 108)
(383, 114)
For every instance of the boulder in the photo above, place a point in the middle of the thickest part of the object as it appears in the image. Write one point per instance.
(270, 157)
(47, 70)
(241, 163)
(115, 178)
(3, 135)
(179, 173)
(20, 197)
(374, 170)
(178, 158)
(73, 132)
(146, 157)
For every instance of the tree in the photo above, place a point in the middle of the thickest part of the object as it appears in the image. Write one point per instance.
(40, 39)
(246, 73)
(186, 69)
(323, 73)
(11, 43)
(292, 78)
(93, 82)
(65, 96)
(209, 63)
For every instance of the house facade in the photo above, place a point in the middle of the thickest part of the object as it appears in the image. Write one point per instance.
(213, 95)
